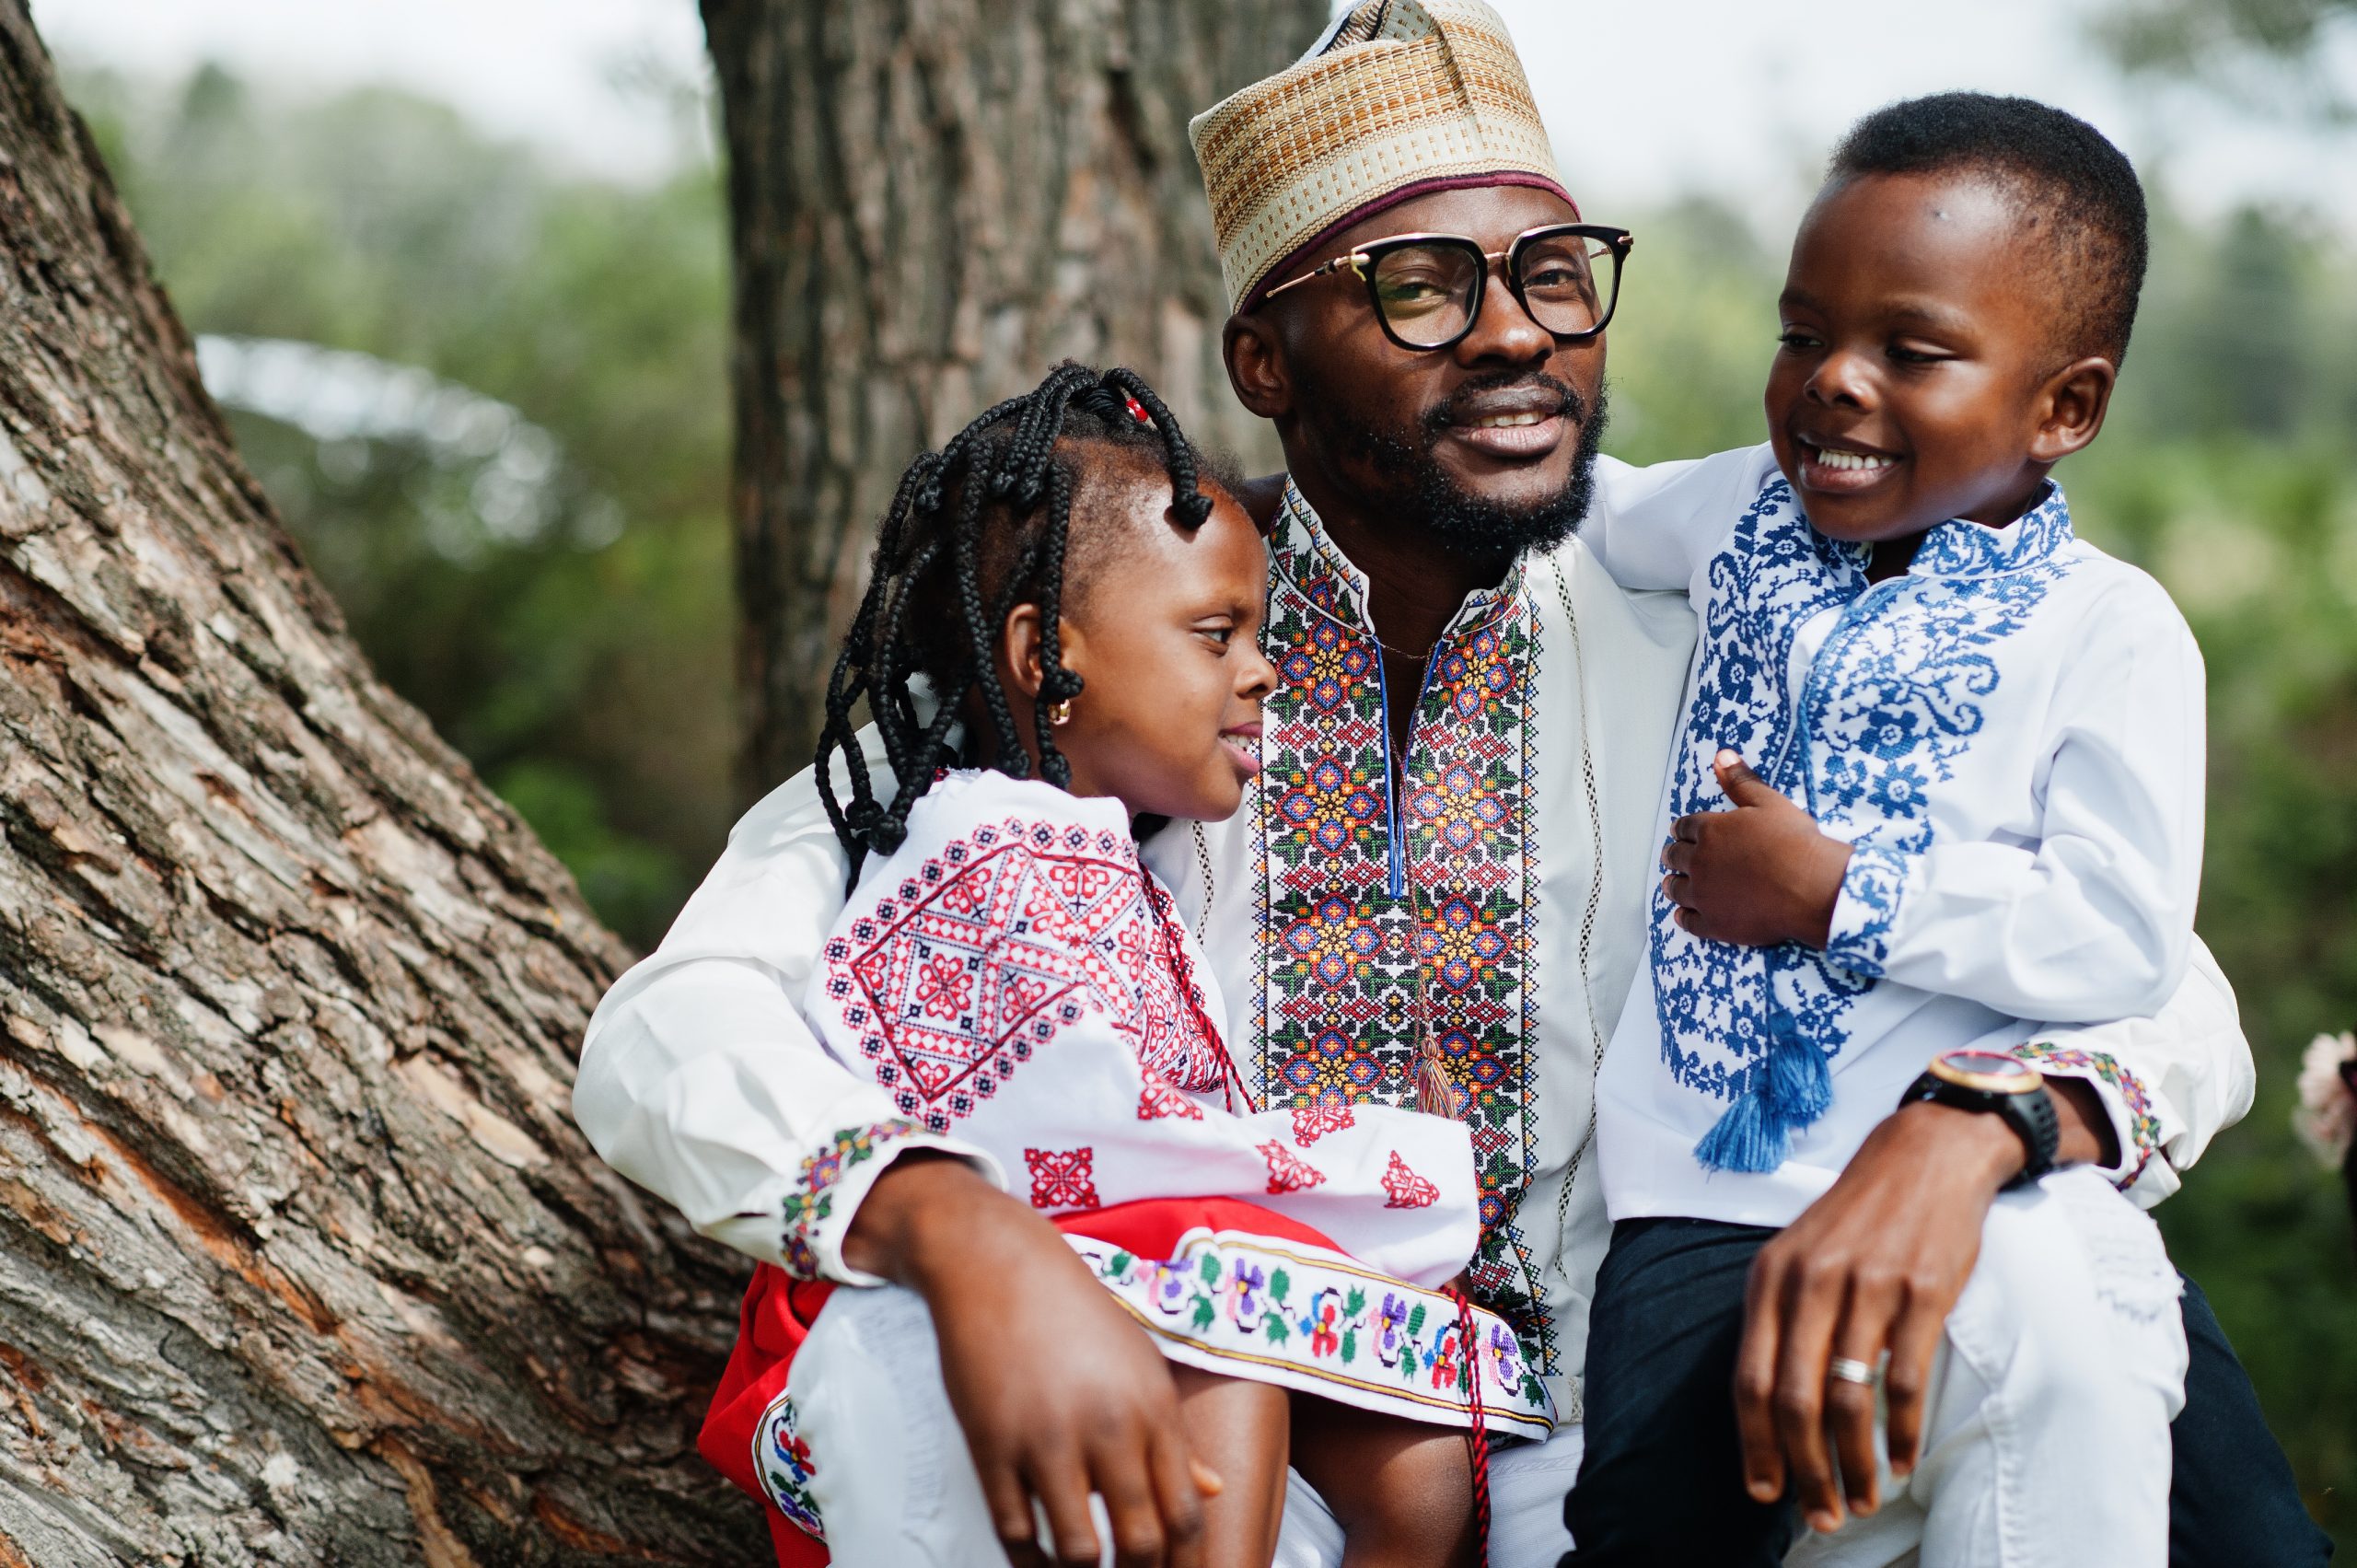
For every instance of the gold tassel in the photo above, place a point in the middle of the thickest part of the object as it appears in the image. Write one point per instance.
(1436, 1095)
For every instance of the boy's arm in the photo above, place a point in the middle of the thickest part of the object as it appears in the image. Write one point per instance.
(2094, 920)
(1655, 527)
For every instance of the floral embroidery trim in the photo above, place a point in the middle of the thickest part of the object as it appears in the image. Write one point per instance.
(811, 1201)
(2071, 1061)
(782, 1457)
(1316, 1321)
(1063, 1178)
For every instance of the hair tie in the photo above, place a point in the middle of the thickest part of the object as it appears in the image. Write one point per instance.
(1137, 410)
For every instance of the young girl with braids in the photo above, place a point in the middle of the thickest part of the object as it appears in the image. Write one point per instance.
(1062, 639)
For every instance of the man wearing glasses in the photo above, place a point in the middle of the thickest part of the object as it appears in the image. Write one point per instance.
(1440, 879)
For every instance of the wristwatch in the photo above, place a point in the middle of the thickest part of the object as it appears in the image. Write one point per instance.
(2002, 1086)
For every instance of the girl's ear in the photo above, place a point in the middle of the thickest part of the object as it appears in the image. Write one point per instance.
(1024, 648)
(1027, 652)
(2076, 399)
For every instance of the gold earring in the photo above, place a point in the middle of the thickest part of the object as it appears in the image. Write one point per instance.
(1060, 713)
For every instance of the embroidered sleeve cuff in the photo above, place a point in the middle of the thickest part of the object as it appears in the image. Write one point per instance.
(2136, 1129)
(1871, 887)
(818, 1209)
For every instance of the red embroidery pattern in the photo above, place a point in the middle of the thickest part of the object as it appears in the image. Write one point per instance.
(1063, 1178)
(986, 950)
(1159, 1099)
(1288, 1172)
(1314, 1120)
(1403, 1189)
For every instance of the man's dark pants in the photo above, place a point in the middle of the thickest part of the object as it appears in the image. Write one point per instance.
(1662, 1482)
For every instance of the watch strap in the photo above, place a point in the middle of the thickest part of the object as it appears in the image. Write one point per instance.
(2030, 1113)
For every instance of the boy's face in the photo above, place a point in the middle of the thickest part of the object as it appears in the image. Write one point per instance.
(1918, 379)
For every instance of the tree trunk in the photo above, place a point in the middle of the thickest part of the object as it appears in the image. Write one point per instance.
(301, 1257)
(934, 202)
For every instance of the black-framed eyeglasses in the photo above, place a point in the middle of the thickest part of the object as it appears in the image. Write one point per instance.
(1426, 288)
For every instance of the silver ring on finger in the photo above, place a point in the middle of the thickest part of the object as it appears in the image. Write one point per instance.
(1843, 1369)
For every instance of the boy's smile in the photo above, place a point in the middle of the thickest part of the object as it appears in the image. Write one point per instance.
(1920, 377)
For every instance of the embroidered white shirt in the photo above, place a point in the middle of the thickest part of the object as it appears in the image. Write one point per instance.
(701, 1080)
(2010, 736)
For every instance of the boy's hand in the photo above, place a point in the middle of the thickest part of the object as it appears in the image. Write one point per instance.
(1758, 874)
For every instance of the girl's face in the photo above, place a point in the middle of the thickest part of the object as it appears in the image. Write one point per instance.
(1166, 635)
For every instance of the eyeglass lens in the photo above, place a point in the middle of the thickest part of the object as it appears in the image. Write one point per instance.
(1425, 290)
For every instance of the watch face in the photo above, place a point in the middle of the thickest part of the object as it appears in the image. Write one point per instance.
(1989, 1070)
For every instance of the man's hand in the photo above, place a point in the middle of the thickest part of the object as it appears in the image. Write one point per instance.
(1875, 1266)
(1059, 1393)
(1754, 876)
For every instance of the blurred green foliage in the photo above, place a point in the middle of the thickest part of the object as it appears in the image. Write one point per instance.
(592, 686)
(2228, 469)
(585, 672)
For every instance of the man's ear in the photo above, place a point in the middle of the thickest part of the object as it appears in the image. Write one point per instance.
(1256, 366)
(1027, 653)
(2075, 403)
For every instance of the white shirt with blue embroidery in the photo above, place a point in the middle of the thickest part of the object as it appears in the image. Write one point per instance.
(2010, 736)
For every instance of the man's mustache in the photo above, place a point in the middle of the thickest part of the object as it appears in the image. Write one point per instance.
(1450, 409)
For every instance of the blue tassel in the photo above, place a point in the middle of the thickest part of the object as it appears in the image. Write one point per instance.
(1800, 1084)
(1746, 1139)
(1781, 1096)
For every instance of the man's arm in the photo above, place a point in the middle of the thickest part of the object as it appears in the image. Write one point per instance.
(699, 1081)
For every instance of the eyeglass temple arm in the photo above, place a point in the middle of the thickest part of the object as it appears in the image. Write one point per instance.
(1355, 260)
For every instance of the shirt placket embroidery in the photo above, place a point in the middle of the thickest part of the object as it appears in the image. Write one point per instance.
(1386, 911)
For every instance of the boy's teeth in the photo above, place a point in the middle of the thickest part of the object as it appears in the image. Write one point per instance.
(1834, 458)
(1507, 421)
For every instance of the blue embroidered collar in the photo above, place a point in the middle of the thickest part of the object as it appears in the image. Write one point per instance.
(1301, 551)
(1961, 548)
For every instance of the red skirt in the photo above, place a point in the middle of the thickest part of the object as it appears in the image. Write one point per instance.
(780, 1310)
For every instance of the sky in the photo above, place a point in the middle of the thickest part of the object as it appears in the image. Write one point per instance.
(1739, 99)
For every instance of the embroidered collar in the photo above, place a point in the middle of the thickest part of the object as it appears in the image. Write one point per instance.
(1961, 548)
(1302, 552)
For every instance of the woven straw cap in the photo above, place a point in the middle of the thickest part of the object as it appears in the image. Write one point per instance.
(1399, 96)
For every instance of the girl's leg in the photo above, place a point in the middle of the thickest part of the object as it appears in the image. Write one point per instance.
(1242, 1430)
(1402, 1491)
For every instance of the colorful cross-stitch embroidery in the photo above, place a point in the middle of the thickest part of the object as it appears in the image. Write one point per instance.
(1892, 696)
(783, 1460)
(812, 1198)
(1317, 1321)
(2143, 1127)
(1063, 1178)
(1403, 1189)
(1008, 934)
(1372, 898)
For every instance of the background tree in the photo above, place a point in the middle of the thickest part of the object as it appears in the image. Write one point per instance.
(303, 1259)
(931, 201)
(2263, 53)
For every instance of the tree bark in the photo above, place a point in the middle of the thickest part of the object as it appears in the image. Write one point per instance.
(301, 1257)
(933, 201)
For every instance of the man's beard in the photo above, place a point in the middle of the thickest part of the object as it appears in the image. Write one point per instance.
(1422, 490)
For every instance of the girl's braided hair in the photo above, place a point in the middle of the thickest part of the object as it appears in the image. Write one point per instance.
(973, 530)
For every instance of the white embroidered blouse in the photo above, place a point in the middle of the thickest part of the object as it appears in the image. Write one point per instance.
(1498, 900)
(2010, 736)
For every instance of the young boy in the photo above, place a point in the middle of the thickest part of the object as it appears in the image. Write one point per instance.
(1977, 804)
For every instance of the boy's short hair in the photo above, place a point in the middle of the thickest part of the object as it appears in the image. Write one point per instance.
(2059, 170)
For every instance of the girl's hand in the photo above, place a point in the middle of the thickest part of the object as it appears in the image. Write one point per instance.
(1059, 1392)
(1757, 874)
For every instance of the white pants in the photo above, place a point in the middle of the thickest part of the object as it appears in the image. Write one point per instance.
(2046, 1441)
